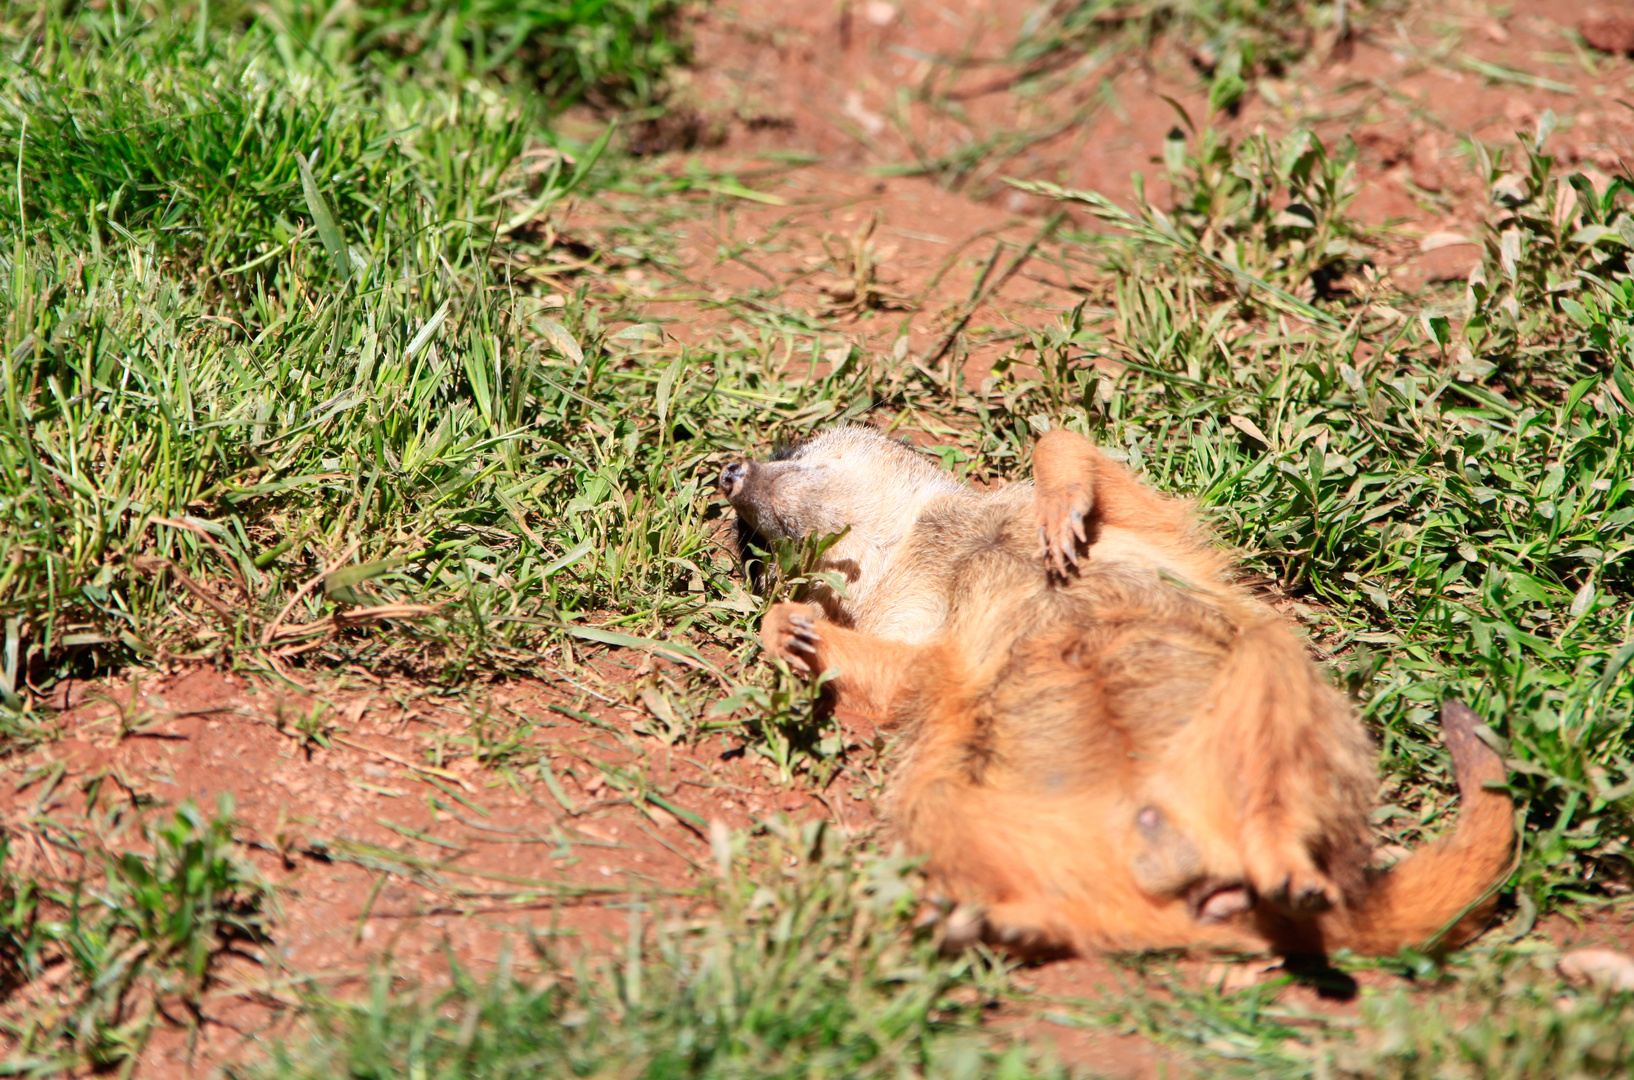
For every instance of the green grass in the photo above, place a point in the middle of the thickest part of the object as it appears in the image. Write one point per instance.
(1499, 1013)
(273, 349)
(252, 310)
(1227, 41)
(140, 926)
(810, 969)
(612, 52)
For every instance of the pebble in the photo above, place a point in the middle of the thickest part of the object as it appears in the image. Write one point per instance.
(1607, 969)
(1609, 29)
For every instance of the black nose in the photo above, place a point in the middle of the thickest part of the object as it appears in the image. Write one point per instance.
(732, 477)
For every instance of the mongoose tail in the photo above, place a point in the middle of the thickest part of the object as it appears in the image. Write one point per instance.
(1443, 894)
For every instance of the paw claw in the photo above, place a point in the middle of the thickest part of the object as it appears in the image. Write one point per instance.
(790, 631)
(1312, 898)
(1062, 527)
(1298, 894)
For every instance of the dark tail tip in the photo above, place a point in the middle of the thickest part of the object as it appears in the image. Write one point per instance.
(1474, 763)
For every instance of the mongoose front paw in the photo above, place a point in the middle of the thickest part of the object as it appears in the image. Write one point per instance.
(790, 631)
(1062, 513)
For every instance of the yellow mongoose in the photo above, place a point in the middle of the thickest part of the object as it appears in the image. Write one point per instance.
(1108, 745)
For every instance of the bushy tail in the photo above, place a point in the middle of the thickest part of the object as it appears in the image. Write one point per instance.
(1443, 894)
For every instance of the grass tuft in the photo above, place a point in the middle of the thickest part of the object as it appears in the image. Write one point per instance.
(811, 969)
(141, 930)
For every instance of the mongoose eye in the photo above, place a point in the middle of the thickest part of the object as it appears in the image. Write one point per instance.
(732, 478)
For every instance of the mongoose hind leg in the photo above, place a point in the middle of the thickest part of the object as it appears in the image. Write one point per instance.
(1028, 927)
(1166, 863)
(870, 671)
(1241, 821)
(1273, 776)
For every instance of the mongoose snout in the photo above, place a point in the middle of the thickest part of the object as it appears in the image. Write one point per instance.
(733, 477)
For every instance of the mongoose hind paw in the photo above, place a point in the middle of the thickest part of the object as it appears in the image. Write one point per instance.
(963, 927)
(1281, 869)
(1214, 902)
(1302, 891)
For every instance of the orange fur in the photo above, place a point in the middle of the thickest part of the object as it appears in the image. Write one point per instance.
(1107, 745)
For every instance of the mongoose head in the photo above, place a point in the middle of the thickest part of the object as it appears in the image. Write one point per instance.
(844, 478)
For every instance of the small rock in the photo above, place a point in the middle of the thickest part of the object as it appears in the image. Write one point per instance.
(1437, 240)
(1230, 978)
(1609, 29)
(879, 12)
(1019, 202)
(1606, 969)
(1425, 163)
(871, 122)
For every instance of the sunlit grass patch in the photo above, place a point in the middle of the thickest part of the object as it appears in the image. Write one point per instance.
(810, 969)
(1498, 1012)
(252, 311)
(90, 960)
(1228, 42)
(611, 52)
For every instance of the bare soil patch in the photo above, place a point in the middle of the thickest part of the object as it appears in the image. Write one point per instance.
(384, 837)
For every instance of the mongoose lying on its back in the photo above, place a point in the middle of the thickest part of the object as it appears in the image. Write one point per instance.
(1108, 745)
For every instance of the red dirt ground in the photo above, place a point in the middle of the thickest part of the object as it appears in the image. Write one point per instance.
(778, 81)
